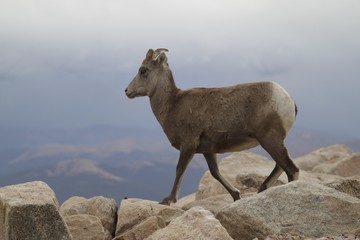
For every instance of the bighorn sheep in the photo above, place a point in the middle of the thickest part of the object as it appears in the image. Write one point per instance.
(217, 120)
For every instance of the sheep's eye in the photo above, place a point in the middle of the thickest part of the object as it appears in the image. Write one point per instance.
(143, 71)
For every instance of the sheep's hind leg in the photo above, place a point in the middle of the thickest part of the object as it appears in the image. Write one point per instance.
(271, 179)
(184, 160)
(214, 170)
(277, 150)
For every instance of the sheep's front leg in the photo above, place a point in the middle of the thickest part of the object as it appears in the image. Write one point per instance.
(184, 160)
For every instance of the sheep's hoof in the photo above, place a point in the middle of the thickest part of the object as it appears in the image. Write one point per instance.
(168, 201)
(236, 195)
(262, 188)
(294, 177)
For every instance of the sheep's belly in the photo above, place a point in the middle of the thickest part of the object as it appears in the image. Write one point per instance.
(222, 141)
(240, 147)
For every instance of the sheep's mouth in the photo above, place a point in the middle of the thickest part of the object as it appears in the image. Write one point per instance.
(131, 95)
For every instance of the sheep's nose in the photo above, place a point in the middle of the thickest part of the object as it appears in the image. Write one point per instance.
(126, 90)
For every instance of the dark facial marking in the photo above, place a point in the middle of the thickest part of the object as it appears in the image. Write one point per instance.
(143, 72)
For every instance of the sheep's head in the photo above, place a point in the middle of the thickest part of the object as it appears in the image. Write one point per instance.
(152, 68)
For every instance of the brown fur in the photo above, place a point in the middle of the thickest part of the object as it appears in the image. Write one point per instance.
(216, 120)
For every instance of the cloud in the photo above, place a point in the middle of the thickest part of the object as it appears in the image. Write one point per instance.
(67, 63)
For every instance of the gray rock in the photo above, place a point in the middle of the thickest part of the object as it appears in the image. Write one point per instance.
(134, 211)
(329, 154)
(101, 207)
(84, 226)
(335, 159)
(212, 204)
(301, 208)
(346, 167)
(30, 211)
(143, 229)
(349, 186)
(184, 200)
(67, 208)
(289, 236)
(196, 223)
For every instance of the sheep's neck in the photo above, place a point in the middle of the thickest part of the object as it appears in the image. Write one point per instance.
(162, 100)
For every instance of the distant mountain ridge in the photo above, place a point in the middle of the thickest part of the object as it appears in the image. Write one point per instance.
(25, 137)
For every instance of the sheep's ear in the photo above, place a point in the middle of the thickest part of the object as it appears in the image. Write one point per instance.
(149, 54)
(159, 56)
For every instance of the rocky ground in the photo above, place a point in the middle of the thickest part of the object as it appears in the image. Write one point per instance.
(323, 204)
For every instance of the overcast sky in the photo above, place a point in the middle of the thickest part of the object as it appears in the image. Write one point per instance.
(66, 63)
